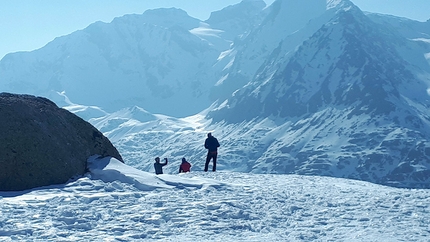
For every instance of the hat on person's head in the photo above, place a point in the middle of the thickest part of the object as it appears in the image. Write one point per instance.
(183, 159)
(157, 158)
(209, 134)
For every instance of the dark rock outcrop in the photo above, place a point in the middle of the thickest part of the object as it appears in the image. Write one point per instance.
(42, 144)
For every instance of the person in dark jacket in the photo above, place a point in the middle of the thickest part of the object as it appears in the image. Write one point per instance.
(185, 166)
(159, 166)
(211, 144)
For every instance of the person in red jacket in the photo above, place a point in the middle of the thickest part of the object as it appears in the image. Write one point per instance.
(185, 166)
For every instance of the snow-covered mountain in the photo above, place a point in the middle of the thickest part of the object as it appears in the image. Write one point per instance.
(326, 90)
(160, 60)
(342, 95)
(135, 60)
(284, 19)
(351, 100)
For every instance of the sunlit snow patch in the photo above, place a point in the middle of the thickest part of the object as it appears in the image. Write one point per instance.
(109, 169)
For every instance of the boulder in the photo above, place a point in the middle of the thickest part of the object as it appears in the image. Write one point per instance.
(42, 144)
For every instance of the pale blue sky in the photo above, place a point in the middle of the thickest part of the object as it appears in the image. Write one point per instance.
(30, 24)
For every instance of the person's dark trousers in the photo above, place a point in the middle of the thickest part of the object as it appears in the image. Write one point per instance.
(211, 155)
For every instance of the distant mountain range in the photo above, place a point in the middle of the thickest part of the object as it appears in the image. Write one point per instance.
(322, 90)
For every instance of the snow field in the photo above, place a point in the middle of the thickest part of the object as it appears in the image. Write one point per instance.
(199, 207)
(221, 206)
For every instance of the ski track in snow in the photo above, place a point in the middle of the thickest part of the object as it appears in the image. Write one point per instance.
(235, 207)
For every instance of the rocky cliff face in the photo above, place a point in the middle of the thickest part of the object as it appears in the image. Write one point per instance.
(41, 144)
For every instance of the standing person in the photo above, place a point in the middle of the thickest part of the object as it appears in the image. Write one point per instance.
(211, 144)
(185, 166)
(159, 166)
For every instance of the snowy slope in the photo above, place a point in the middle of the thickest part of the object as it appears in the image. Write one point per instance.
(351, 101)
(283, 19)
(117, 202)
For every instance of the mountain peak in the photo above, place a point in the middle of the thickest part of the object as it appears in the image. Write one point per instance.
(336, 3)
(166, 17)
(246, 8)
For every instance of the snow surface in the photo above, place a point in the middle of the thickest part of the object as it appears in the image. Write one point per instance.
(115, 202)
